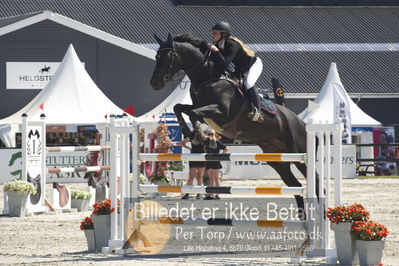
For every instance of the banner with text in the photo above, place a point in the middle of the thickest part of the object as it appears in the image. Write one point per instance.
(29, 75)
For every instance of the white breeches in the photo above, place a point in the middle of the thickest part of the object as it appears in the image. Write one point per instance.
(252, 75)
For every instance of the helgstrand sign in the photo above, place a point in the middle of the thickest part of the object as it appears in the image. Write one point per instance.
(29, 75)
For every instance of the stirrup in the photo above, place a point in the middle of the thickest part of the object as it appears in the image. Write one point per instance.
(256, 115)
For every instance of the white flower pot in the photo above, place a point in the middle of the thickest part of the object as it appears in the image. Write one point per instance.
(91, 239)
(17, 203)
(370, 252)
(102, 230)
(80, 204)
(345, 243)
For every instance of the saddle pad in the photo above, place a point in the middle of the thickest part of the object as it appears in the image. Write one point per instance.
(268, 106)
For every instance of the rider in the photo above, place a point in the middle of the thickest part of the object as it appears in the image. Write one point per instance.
(228, 49)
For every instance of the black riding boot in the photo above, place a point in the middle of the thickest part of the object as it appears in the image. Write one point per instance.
(255, 114)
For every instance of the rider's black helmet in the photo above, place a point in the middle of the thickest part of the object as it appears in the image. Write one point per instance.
(222, 27)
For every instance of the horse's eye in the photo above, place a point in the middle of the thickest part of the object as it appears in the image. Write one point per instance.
(157, 56)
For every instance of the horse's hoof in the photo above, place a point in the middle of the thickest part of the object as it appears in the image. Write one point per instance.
(197, 126)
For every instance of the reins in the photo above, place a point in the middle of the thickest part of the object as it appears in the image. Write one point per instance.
(168, 76)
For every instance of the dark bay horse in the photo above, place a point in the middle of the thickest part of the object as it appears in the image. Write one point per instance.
(219, 104)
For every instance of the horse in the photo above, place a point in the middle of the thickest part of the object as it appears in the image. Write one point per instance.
(45, 69)
(220, 104)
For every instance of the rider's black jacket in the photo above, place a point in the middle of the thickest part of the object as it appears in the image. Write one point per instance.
(232, 53)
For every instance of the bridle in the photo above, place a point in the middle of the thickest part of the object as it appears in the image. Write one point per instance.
(168, 75)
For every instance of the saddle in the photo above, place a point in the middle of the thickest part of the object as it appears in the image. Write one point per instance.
(266, 104)
(63, 194)
(34, 198)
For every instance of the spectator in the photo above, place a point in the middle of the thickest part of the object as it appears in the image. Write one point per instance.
(197, 169)
(213, 145)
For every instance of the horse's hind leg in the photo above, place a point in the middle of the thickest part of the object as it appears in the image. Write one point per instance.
(284, 170)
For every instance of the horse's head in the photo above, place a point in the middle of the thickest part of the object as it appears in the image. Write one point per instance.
(166, 63)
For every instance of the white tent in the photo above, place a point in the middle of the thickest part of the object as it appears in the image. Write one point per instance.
(322, 108)
(70, 98)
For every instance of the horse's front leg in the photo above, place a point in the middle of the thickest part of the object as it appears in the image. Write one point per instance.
(179, 109)
(212, 111)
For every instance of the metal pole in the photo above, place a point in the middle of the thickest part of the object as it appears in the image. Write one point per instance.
(124, 177)
(328, 184)
(136, 163)
(113, 179)
(23, 147)
(321, 185)
(338, 165)
(43, 158)
(311, 184)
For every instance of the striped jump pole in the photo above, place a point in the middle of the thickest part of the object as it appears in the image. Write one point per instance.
(225, 222)
(254, 157)
(78, 169)
(78, 148)
(224, 190)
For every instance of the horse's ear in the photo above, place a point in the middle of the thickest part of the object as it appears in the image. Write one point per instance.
(159, 41)
(169, 41)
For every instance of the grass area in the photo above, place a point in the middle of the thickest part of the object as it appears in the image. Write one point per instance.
(380, 176)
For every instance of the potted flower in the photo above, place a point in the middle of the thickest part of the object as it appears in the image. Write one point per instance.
(143, 179)
(86, 225)
(341, 219)
(102, 222)
(18, 192)
(164, 144)
(369, 241)
(80, 200)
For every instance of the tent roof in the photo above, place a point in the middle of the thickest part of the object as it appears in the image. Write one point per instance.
(10, 24)
(322, 108)
(71, 97)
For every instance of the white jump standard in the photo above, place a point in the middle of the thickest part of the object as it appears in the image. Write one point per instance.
(120, 135)
(34, 168)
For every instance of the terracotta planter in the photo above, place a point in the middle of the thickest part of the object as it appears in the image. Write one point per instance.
(345, 243)
(91, 239)
(80, 204)
(102, 231)
(370, 252)
(17, 203)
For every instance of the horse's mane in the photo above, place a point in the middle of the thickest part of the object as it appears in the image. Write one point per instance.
(189, 38)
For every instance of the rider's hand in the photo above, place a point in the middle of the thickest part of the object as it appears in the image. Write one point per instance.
(213, 48)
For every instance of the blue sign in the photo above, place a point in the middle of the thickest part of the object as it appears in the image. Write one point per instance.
(173, 128)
